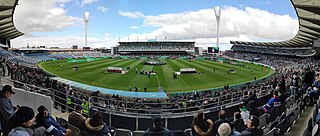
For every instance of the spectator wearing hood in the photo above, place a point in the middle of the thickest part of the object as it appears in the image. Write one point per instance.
(43, 118)
(96, 126)
(23, 123)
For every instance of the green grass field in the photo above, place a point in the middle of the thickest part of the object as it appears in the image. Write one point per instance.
(93, 73)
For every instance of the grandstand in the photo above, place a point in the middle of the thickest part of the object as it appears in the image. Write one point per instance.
(156, 47)
(304, 44)
(298, 110)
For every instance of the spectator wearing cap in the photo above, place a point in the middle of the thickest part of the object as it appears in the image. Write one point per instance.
(201, 126)
(224, 129)
(6, 108)
(76, 118)
(43, 118)
(158, 129)
(244, 114)
(23, 120)
(96, 126)
(252, 127)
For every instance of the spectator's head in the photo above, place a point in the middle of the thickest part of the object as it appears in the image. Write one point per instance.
(157, 121)
(79, 109)
(24, 116)
(237, 115)
(224, 129)
(243, 108)
(253, 122)
(252, 105)
(7, 91)
(96, 120)
(315, 88)
(198, 118)
(43, 111)
(222, 114)
(275, 93)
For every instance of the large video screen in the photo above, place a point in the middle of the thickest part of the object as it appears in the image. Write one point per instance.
(213, 49)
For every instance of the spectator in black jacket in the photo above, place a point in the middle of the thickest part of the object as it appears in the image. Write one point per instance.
(238, 123)
(308, 79)
(157, 129)
(222, 119)
(252, 127)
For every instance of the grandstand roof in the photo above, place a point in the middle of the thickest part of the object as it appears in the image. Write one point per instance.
(308, 12)
(7, 28)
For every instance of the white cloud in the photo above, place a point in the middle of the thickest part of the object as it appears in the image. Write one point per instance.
(85, 2)
(248, 24)
(134, 15)
(134, 27)
(63, 41)
(63, 1)
(47, 16)
(103, 9)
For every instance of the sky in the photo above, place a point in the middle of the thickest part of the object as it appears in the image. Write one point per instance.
(60, 23)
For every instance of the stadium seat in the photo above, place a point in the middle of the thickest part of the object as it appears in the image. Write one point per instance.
(75, 131)
(315, 130)
(138, 132)
(123, 132)
(274, 124)
(62, 122)
(188, 132)
(271, 132)
(84, 133)
(263, 120)
(178, 132)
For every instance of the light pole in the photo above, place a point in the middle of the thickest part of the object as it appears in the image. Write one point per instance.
(86, 21)
(217, 11)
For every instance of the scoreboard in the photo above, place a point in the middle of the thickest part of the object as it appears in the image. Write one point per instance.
(213, 49)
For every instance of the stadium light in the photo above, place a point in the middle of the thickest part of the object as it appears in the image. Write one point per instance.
(217, 11)
(86, 21)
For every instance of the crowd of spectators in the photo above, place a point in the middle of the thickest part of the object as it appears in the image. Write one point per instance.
(293, 76)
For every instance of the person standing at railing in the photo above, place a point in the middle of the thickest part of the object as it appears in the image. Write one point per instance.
(7, 110)
(85, 106)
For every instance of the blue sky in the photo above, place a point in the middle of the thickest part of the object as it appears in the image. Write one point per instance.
(60, 22)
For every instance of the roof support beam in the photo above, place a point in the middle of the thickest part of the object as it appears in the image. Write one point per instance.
(3, 8)
(5, 22)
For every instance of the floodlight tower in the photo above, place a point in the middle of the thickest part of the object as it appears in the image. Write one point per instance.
(86, 21)
(217, 11)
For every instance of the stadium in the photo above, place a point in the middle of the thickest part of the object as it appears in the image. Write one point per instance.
(162, 87)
